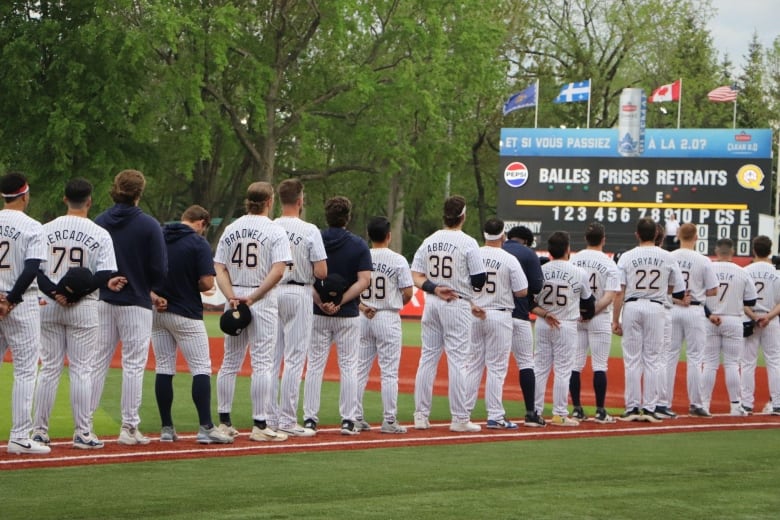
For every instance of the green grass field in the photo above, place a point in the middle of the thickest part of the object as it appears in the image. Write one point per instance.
(702, 475)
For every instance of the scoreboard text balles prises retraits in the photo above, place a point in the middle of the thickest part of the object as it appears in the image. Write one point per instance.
(561, 179)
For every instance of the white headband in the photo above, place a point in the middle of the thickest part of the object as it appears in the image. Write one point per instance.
(488, 236)
(463, 211)
(21, 191)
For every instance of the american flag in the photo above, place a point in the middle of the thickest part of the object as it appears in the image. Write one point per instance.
(723, 94)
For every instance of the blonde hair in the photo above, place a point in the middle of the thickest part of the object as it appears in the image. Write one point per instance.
(128, 187)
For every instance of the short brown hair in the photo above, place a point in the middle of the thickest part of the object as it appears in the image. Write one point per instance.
(645, 229)
(594, 233)
(195, 213)
(128, 187)
(338, 211)
(687, 231)
(290, 190)
(258, 196)
(454, 210)
(762, 246)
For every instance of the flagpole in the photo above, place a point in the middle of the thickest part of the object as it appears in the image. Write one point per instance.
(679, 105)
(536, 105)
(734, 118)
(590, 91)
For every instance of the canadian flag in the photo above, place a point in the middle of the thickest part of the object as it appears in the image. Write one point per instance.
(670, 92)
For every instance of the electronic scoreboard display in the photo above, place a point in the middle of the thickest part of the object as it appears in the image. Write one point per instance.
(562, 179)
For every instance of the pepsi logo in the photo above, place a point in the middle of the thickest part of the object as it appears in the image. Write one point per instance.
(516, 174)
(629, 108)
(743, 137)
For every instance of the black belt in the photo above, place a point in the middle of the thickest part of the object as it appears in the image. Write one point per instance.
(247, 286)
(637, 299)
(697, 303)
(293, 282)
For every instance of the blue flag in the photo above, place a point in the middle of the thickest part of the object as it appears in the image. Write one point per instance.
(523, 99)
(574, 92)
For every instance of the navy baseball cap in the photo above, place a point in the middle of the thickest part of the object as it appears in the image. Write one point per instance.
(331, 289)
(233, 321)
(77, 283)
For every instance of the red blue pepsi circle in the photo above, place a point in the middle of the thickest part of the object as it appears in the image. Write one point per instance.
(516, 174)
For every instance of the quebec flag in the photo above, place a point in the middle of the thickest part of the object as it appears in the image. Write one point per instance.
(574, 92)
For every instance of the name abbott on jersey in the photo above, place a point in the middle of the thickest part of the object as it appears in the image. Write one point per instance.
(441, 247)
(76, 236)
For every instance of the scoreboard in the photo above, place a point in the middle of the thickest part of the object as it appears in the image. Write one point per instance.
(562, 179)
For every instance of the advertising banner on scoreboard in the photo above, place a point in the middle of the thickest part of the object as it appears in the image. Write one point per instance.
(561, 179)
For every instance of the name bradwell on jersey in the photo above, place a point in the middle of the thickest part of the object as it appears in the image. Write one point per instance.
(76, 236)
(252, 234)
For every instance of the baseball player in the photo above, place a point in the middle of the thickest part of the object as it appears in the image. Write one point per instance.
(21, 253)
(448, 266)
(647, 274)
(380, 322)
(767, 330)
(71, 328)
(564, 299)
(349, 258)
(518, 243)
(725, 329)
(127, 315)
(595, 334)
(179, 321)
(251, 257)
(296, 313)
(664, 412)
(688, 323)
(491, 336)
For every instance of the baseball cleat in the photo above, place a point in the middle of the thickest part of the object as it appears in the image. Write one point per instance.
(631, 415)
(767, 408)
(212, 435)
(534, 420)
(698, 411)
(130, 436)
(168, 434)
(737, 410)
(362, 425)
(421, 421)
(41, 437)
(579, 414)
(266, 434)
(297, 430)
(650, 416)
(602, 417)
(228, 429)
(87, 441)
(501, 424)
(464, 427)
(27, 447)
(349, 428)
(392, 427)
(564, 420)
(665, 412)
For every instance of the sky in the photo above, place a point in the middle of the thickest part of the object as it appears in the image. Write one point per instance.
(733, 26)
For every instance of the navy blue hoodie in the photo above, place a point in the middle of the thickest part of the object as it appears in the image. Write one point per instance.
(140, 251)
(189, 258)
(348, 254)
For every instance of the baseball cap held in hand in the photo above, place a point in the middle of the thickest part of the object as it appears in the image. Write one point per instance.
(331, 289)
(77, 283)
(233, 321)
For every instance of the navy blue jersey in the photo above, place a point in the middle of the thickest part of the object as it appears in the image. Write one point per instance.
(532, 268)
(189, 258)
(348, 254)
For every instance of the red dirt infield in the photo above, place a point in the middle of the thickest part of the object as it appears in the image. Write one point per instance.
(329, 438)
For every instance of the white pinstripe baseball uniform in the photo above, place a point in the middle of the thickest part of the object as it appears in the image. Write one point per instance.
(689, 324)
(248, 248)
(564, 286)
(491, 338)
(380, 336)
(735, 287)
(447, 257)
(767, 282)
(646, 274)
(296, 314)
(21, 238)
(596, 333)
(71, 241)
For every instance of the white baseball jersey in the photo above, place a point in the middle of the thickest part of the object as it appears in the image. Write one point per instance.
(77, 242)
(603, 274)
(564, 285)
(767, 283)
(647, 273)
(505, 276)
(21, 238)
(734, 287)
(306, 247)
(391, 274)
(249, 247)
(448, 257)
(696, 270)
